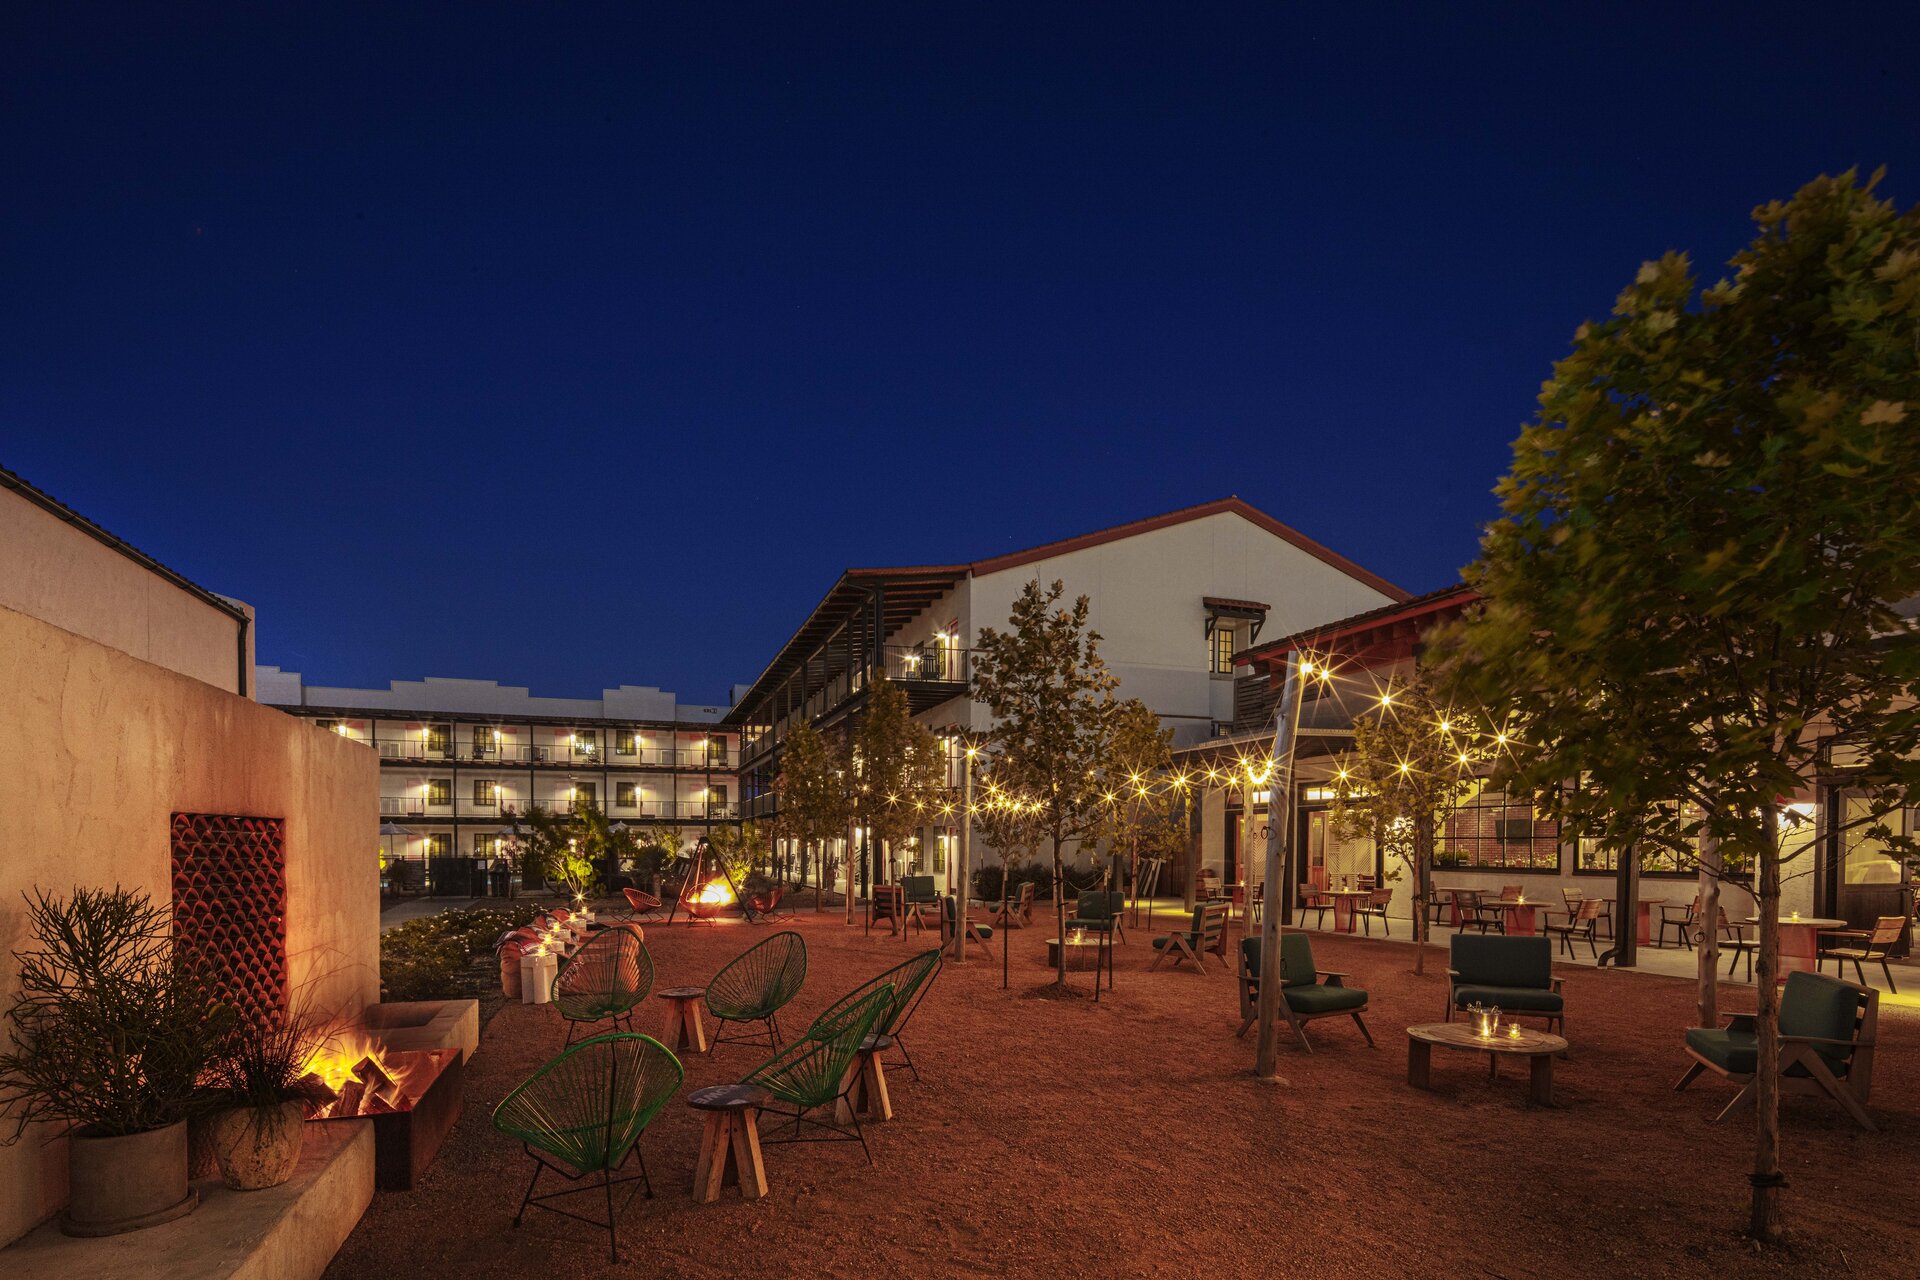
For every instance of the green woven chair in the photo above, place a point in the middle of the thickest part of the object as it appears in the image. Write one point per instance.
(818, 1070)
(583, 1113)
(910, 981)
(604, 980)
(756, 985)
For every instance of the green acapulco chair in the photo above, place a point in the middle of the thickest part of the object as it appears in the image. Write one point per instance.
(604, 980)
(756, 985)
(817, 1070)
(583, 1113)
(910, 981)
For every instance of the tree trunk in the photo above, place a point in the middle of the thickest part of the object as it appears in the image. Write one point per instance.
(962, 860)
(1707, 932)
(1763, 1222)
(1060, 917)
(849, 862)
(1422, 890)
(809, 863)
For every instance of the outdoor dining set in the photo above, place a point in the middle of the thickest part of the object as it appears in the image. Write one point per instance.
(580, 1116)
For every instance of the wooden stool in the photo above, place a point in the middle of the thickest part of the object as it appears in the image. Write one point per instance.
(730, 1149)
(866, 1084)
(684, 1028)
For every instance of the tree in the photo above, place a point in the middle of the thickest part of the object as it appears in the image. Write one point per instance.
(1051, 698)
(1145, 812)
(1011, 824)
(901, 767)
(1706, 528)
(737, 851)
(811, 789)
(1412, 760)
(561, 848)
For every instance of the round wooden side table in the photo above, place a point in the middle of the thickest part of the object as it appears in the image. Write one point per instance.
(684, 1029)
(730, 1148)
(1537, 1047)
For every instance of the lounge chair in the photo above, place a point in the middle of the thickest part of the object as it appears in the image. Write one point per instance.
(980, 933)
(1515, 973)
(1870, 948)
(1019, 908)
(583, 1113)
(641, 905)
(1208, 933)
(756, 985)
(820, 1069)
(910, 980)
(1827, 1030)
(1307, 992)
(604, 980)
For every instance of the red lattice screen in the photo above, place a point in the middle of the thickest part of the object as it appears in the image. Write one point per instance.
(230, 904)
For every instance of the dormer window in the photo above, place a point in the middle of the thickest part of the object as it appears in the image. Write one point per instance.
(1232, 625)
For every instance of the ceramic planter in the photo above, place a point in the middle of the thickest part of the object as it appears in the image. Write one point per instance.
(126, 1182)
(258, 1147)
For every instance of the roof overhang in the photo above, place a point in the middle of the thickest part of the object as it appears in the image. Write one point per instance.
(1376, 638)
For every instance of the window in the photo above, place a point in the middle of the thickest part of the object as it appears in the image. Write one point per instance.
(717, 752)
(332, 726)
(438, 846)
(626, 794)
(1491, 829)
(585, 742)
(440, 791)
(585, 794)
(485, 793)
(1222, 650)
(440, 738)
(623, 742)
(488, 844)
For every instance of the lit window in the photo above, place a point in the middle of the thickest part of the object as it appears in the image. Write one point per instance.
(1222, 650)
(440, 791)
(623, 742)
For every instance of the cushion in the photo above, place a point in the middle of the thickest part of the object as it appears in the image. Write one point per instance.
(1519, 999)
(1816, 1005)
(1494, 960)
(1736, 1052)
(1296, 959)
(1318, 997)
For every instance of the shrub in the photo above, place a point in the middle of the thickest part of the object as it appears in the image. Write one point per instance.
(430, 958)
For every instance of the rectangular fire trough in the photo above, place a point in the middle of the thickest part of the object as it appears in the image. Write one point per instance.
(413, 1099)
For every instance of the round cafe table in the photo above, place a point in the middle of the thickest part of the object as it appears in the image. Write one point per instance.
(1800, 940)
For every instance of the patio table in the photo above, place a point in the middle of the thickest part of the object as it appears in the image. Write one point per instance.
(1538, 1047)
(1520, 916)
(1800, 940)
(1343, 901)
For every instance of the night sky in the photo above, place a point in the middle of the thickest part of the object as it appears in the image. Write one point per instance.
(574, 345)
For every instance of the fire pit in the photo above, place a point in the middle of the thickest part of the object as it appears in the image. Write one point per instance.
(412, 1097)
(714, 897)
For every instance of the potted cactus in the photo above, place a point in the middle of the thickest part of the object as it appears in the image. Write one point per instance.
(111, 1031)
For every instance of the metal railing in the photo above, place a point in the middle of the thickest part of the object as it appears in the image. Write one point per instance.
(508, 753)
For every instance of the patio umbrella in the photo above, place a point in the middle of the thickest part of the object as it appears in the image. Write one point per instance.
(394, 829)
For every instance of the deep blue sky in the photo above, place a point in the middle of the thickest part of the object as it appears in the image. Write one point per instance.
(580, 344)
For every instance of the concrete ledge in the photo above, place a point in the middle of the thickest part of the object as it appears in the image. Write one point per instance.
(289, 1232)
(426, 1024)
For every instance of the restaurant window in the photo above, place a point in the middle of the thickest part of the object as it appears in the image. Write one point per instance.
(624, 742)
(1489, 828)
(440, 791)
(485, 793)
(626, 794)
(1222, 639)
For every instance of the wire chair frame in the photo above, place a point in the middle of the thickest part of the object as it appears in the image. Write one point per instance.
(812, 1073)
(911, 980)
(754, 986)
(571, 1122)
(605, 980)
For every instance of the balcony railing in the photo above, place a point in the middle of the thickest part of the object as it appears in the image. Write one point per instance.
(507, 808)
(558, 754)
(932, 663)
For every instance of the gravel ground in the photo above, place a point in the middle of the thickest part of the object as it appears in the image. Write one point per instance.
(1053, 1136)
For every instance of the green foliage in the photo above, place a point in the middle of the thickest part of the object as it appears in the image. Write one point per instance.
(740, 851)
(566, 849)
(1706, 530)
(899, 766)
(263, 1067)
(1144, 815)
(429, 958)
(114, 1021)
(815, 801)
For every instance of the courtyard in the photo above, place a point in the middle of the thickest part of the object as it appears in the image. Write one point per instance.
(1059, 1136)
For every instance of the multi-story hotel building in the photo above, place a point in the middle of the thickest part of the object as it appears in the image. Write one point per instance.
(460, 759)
(1174, 598)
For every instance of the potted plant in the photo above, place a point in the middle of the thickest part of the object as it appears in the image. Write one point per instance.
(259, 1093)
(111, 1030)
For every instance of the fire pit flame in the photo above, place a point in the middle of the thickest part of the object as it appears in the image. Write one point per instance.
(355, 1076)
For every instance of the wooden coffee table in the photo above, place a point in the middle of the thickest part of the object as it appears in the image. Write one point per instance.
(1537, 1046)
(1082, 953)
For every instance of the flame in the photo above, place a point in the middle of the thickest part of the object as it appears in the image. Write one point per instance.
(714, 893)
(333, 1061)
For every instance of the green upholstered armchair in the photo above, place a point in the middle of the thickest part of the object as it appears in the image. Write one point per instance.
(1827, 1032)
(1307, 992)
(1515, 973)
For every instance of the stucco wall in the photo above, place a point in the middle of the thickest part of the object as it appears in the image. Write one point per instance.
(51, 570)
(99, 749)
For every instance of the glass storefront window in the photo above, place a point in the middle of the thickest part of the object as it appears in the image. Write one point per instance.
(1489, 828)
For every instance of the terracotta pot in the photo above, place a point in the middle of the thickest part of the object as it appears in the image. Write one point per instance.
(126, 1182)
(258, 1147)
